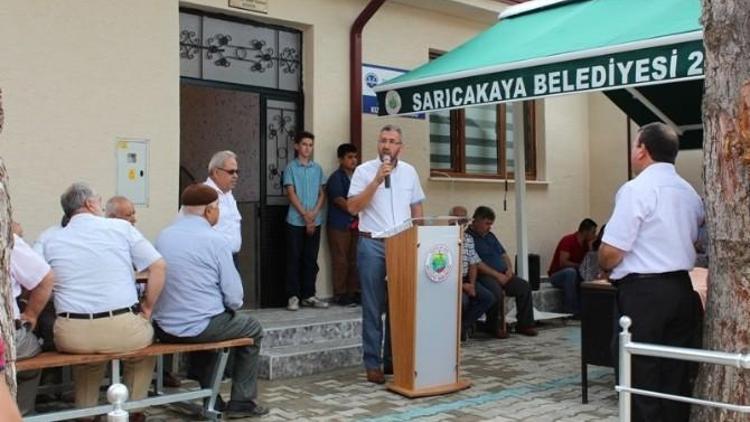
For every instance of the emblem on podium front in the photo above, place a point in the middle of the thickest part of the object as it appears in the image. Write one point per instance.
(439, 263)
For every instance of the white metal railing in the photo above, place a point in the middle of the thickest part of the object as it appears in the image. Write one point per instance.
(628, 348)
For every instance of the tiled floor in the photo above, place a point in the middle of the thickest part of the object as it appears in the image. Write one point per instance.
(518, 379)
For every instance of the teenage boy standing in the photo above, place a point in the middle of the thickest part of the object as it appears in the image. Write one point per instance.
(341, 228)
(303, 180)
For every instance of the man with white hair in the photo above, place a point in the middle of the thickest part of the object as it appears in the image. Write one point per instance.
(120, 207)
(223, 173)
(95, 297)
(201, 297)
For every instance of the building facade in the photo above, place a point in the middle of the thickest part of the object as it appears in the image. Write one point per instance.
(82, 80)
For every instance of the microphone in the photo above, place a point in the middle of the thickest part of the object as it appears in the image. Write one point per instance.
(387, 160)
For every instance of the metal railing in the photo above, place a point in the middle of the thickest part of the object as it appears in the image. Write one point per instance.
(628, 348)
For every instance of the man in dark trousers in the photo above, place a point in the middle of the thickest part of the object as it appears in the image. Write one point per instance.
(648, 248)
(342, 230)
(496, 275)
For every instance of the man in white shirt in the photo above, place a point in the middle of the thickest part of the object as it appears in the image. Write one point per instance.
(223, 173)
(648, 248)
(385, 192)
(120, 207)
(28, 271)
(38, 245)
(95, 296)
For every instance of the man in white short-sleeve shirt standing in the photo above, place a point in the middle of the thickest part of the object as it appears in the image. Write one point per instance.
(648, 248)
(95, 295)
(385, 193)
(29, 271)
(223, 174)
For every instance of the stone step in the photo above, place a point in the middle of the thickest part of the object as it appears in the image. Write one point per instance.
(311, 341)
(308, 326)
(548, 298)
(307, 359)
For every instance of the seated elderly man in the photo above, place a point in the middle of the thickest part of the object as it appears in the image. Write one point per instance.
(29, 271)
(496, 274)
(476, 300)
(201, 297)
(120, 207)
(95, 296)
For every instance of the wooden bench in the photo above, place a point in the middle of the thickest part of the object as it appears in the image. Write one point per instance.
(55, 359)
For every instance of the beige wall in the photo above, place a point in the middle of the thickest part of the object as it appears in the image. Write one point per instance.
(608, 160)
(84, 73)
(608, 164)
(690, 166)
(76, 75)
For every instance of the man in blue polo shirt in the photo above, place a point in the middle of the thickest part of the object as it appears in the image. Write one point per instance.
(496, 274)
(341, 228)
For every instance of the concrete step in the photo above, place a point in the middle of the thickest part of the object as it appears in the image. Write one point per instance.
(299, 360)
(309, 341)
(548, 304)
(307, 326)
(548, 298)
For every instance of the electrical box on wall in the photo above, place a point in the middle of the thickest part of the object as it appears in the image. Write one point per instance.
(132, 169)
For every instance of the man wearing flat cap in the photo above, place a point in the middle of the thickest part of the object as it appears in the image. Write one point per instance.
(201, 296)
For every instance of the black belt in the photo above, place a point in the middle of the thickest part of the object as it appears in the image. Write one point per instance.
(134, 309)
(368, 235)
(651, 276)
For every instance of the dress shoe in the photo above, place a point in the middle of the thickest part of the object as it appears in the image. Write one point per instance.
(527, 331)
(219, 405)
(244, 409)
(501, 334)
(171, 380)
(375, 376)
(137, 417)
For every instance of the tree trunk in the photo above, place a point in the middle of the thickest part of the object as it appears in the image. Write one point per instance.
(726, 149)
(6, 295)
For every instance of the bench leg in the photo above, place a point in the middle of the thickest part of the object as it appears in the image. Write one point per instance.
(117, 394)
(221, 363)
(116, 372)
(159, 387)
(584, 382)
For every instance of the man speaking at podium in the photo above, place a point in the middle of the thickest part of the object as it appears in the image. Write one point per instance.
(385, 192)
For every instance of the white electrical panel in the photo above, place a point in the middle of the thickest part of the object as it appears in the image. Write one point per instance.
(132, 169)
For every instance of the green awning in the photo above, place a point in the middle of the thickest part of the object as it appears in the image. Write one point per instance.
(545, 48)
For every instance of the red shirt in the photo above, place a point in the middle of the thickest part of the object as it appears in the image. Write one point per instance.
(575, 251)
(2, 356)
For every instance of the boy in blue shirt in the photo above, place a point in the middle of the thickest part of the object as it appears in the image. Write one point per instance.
(303, 181)
(341, 228)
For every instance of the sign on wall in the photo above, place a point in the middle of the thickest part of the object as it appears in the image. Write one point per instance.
(260, 6)
(373, 75)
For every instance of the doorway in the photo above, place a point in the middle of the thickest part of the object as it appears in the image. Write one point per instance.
(241, 90)
(214, 119)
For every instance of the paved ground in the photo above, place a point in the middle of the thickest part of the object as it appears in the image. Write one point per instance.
(518, 379)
